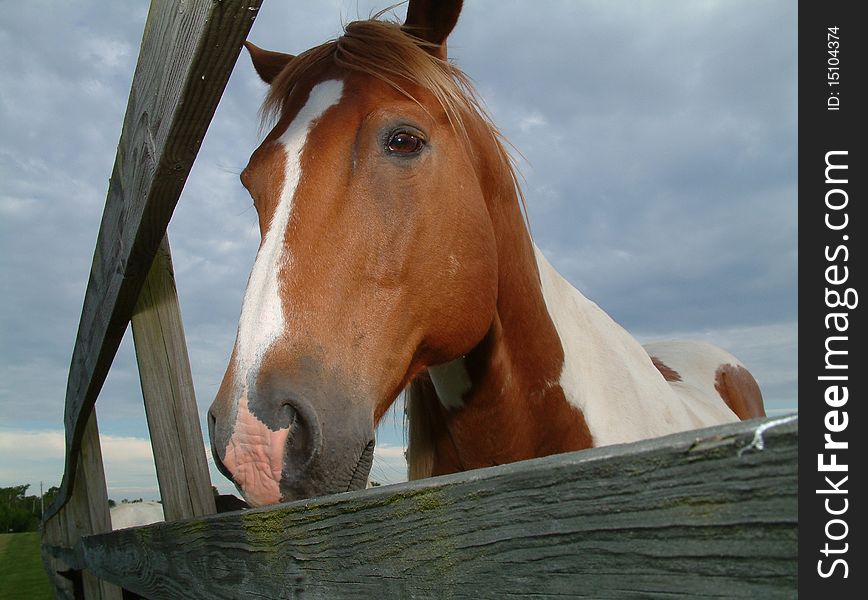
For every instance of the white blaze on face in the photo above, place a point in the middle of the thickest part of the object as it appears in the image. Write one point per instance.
(254, 453)
(262, 321)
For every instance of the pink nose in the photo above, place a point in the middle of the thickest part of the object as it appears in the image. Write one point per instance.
(268, 442)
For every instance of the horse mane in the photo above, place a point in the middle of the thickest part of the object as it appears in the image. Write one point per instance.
(385, 50)
(420, 404)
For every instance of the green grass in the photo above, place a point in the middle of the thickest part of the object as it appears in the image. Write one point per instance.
(21, 573)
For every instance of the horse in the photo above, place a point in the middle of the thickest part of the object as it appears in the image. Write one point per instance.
(395, 257)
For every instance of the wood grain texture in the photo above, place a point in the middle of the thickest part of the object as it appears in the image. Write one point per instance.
(55, 556)
(90, 504)
(708, 514)
(170, 401)
(187, 53)
(86, 512)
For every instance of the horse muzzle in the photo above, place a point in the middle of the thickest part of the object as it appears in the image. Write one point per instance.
(279, 447)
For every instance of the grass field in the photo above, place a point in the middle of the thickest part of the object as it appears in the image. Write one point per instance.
(21, 574)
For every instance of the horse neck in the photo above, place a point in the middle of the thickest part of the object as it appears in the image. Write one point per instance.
(554, 373)
(512, 406)
(606, 373)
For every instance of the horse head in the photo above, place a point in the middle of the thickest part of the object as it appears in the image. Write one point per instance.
(377, 256)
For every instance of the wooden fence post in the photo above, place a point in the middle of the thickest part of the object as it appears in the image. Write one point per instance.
(87, 512)
(170, 402)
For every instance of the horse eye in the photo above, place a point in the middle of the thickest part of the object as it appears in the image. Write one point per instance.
(402, 142)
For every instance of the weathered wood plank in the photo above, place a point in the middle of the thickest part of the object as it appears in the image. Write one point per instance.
(170, 401)
(54, 536)
(188, 51)
(710, 514)
(90, 500)
(86, 512)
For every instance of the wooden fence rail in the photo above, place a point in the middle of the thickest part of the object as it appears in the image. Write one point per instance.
(703, 514)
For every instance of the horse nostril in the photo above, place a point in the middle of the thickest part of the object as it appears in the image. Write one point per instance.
(288, 417)
(304, 436)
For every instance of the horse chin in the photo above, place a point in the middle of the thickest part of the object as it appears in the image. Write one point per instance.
(334, 474)
(359, 480)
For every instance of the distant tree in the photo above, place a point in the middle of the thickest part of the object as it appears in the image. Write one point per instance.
(18, 512)
(49, 496)
(112, 503)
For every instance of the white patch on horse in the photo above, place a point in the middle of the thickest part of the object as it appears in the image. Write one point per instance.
(262, 320)
(606, 372)
(451, 381)
(697, 363)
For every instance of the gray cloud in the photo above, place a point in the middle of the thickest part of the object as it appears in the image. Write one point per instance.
(663, 146)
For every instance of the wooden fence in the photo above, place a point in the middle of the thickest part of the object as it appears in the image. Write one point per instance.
(187, 53)
(708, 513)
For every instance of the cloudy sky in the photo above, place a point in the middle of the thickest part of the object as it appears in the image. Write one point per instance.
(659, 157)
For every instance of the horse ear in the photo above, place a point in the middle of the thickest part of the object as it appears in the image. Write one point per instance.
(432, 21)
(267, 64)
